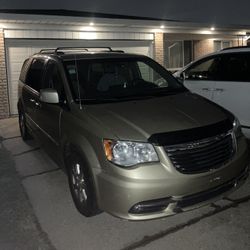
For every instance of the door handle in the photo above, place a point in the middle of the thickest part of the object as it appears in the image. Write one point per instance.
(207, 89)
(220, 90)
(37, 104)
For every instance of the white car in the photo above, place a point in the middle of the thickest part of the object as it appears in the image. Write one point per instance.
(224, 78)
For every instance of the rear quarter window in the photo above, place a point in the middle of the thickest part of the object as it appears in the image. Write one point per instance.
(206, 69)
(24, 70)
(236, 67)
(35, 74)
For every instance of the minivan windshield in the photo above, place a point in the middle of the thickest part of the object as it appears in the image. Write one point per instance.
(117, 79)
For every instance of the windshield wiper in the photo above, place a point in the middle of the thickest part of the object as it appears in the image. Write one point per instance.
(169, 92)
(135, 97)
(97, 100)
(132, 97)
(114, 99)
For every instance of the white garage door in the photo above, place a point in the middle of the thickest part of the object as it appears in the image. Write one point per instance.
(18, 50)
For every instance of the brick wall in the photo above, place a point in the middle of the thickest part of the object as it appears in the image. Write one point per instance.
(203, 47)
(239, 42)
(4, 102)
(206, 46)
(159, 48)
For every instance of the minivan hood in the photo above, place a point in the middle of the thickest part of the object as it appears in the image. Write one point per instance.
(137, 120)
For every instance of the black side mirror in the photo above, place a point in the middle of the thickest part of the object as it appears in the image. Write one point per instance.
(181, 77)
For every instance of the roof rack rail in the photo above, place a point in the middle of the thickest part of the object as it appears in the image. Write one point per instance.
(61, 50)
(236, 47)
(84, 48)
(47, 51)
(118, 51)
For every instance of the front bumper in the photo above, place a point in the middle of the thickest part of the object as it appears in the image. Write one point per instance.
(158, 190)
(177, 205)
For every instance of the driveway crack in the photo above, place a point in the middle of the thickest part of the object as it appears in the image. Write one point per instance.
(27, 151)
(218, 209)
(41, 173)
(9, 138)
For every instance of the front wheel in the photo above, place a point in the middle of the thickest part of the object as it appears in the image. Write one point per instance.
(81, 186)
(23, 127)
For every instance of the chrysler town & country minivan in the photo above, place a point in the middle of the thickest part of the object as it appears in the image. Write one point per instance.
(133, 141)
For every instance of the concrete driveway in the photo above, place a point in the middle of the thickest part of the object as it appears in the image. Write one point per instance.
(54, 223)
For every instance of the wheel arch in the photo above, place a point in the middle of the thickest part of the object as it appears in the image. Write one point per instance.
(85, 150)
(19, 106)
(83, 147)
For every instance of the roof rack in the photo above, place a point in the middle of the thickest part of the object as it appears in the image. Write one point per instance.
(61, 50)
(236, 47)
(83, 48)
(47, 51)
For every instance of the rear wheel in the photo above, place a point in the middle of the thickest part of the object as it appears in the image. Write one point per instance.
(81, 185)
(23, 127)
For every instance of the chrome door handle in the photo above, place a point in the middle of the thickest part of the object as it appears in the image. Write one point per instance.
(220, 90)
(207, 89)
(37, 104)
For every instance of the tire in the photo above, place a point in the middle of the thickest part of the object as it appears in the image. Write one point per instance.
(81, 185)
(25, 134)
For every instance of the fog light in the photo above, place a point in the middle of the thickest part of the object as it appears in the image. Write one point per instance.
(150, 206)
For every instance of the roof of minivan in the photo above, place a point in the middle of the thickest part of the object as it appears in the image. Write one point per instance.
(73, 53)
(97, 55)
(240, 49)
(234, 50)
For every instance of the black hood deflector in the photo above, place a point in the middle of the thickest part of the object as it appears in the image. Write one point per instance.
(189, 135)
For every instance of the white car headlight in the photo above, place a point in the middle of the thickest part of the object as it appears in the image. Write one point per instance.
(237, 128)
(127, 153)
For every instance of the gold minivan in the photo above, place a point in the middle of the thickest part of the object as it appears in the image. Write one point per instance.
(134, 141)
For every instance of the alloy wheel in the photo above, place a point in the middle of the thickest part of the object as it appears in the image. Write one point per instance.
(22, 124)
(79, 183)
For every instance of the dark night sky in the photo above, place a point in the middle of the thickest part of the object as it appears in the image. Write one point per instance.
(221, 12)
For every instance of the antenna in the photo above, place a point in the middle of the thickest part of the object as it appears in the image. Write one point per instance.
(78, 84)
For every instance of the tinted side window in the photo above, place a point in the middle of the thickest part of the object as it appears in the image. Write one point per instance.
(149, 75)
(35, 74)
(236, 67)
(24, 70)
(208, 69)
(53, 80)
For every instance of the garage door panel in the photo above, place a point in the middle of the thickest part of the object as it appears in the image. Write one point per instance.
(17, 50)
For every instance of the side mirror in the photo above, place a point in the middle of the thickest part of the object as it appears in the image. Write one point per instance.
(181, 77)
(49, 96)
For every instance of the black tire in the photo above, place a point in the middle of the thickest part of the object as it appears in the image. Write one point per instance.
(81, 185)
(25, 134)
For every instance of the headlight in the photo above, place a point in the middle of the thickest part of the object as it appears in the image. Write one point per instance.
(237, 128)
(127, 153)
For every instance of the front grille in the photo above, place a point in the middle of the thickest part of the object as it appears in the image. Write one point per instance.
(191, 200)
(203, 155)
